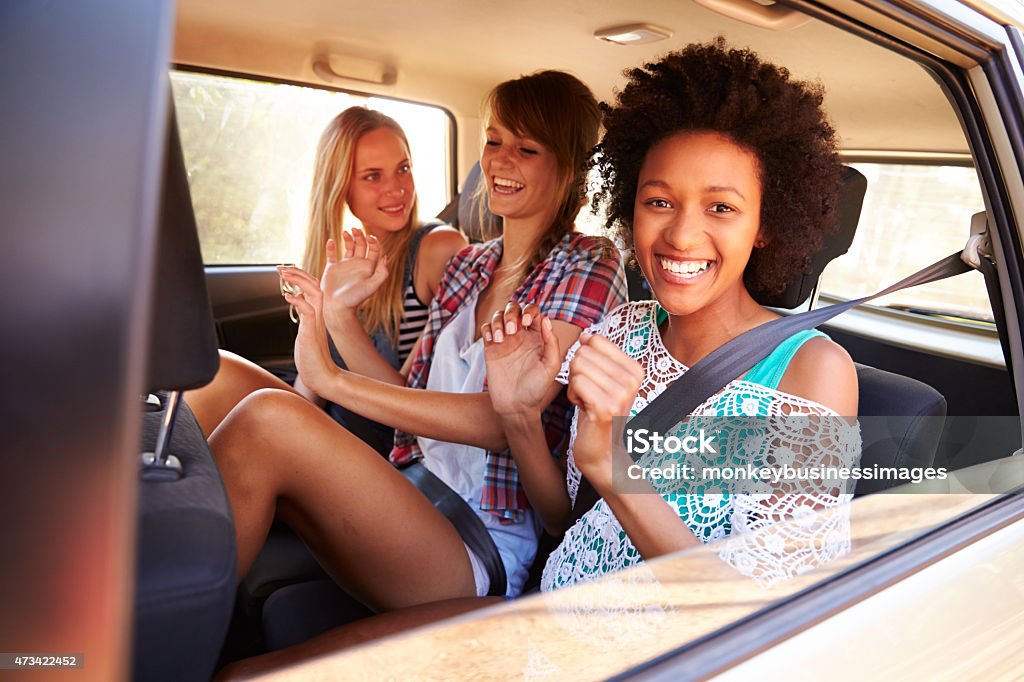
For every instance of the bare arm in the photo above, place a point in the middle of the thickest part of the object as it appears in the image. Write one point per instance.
(460, 418)
(542, 477)
(603, 383)
(522, 361)
(466, 418)
(304, 391)
(358, 351)
(436, 248)
(821, 371)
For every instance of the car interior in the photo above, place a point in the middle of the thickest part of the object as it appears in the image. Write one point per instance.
(287, 598)
(928, 373)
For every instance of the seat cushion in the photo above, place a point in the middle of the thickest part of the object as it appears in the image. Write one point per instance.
(299, 612)
(283, 560)
(185, 571)
(901, 422)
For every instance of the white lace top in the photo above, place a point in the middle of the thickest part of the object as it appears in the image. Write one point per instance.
(597, 544)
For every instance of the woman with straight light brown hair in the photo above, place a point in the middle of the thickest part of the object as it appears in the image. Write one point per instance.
(369, 526)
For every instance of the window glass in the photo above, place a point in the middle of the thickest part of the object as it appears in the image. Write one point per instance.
(249, 148)
(913, 215)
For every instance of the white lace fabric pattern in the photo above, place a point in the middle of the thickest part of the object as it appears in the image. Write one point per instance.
(805, 434)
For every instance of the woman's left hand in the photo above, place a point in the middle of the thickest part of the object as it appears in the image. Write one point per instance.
(312, 355)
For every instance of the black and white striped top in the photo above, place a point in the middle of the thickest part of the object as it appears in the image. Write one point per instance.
(415, 318)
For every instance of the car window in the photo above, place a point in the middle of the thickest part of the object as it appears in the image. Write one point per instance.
(249, 148)
(913, 215)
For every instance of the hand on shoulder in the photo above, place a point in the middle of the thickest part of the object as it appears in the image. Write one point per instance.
(822, 371)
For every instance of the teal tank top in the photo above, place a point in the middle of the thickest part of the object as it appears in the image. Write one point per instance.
(769, 371)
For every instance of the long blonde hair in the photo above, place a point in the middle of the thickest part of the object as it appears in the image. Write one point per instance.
(332, 177)
(559, 111)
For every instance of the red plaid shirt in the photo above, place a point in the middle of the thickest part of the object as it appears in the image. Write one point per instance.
(581, 278)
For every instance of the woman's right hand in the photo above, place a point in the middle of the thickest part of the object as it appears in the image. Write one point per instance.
(347, 282)
(522, 356)
(313, 360)
(603, 383)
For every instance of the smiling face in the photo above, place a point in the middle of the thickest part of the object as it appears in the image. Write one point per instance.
(696, 220)
(381, 189)
(522, 175)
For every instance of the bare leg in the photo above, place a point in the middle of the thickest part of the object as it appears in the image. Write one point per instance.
(371, 530)
(359, 632)
(236, 378)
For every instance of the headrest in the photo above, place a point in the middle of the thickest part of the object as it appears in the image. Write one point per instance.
(851, 198)
(475, 220)
(182, 342)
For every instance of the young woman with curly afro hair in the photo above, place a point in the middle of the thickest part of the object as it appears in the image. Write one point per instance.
(721, 172)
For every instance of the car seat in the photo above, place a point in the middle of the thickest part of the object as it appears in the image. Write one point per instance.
(474, 218)
(901, 420)
(185, 565)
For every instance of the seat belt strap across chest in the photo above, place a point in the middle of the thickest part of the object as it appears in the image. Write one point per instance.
(737, 356)
(730, 360)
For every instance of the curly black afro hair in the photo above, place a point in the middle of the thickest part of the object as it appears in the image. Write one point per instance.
(710, 87)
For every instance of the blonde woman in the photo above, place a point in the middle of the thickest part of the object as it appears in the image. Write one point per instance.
(385, 274)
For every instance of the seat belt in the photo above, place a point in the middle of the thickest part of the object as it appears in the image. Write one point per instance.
(468, 525)
(977, 253)
(737, 356)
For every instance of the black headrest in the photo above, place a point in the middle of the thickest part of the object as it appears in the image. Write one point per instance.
(475, 220)
(183, 342)
(851, 198)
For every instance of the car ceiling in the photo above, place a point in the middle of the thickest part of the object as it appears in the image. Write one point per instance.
(450, 52)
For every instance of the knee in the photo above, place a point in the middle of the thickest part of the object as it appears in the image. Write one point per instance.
(271, 403)
(251, 429)
(228, 371)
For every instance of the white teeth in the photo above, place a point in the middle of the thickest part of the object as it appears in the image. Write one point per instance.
(393, 209)
(512, 184)
(690, 268)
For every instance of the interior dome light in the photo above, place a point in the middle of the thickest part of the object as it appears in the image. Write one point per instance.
(633, 34)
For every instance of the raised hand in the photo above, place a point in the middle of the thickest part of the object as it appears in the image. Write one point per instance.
(522, 358)
(312, 355)
(603, 383)
(348, 282)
